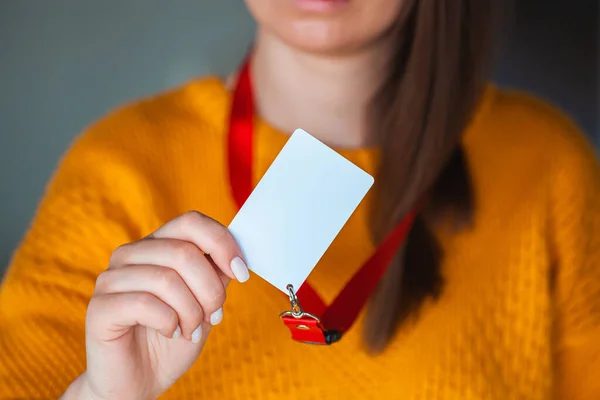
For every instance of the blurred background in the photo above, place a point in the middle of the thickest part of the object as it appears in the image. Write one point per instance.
(64, 63)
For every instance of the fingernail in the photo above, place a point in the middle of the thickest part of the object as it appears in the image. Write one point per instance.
(197, 335)
(216, 317)
(177, 333)
(238, 266)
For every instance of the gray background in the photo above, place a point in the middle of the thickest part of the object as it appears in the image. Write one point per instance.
(64, 63)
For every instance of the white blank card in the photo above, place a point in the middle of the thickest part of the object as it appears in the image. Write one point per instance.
(297, 209)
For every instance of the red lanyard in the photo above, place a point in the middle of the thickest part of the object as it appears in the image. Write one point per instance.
(315, 322)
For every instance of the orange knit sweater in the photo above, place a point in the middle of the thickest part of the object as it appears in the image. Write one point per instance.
(519, 316)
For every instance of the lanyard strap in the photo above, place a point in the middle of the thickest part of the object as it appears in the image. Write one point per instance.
(316, 323)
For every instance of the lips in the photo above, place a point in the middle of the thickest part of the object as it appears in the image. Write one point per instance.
(321, 5)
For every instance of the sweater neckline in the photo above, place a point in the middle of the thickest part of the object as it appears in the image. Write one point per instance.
(214, 97)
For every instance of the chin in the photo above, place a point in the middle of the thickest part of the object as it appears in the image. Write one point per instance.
(321, 38)
(326, 26)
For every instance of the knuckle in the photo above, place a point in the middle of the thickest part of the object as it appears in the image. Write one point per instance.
(171, 320)
(215, 232)
(219, 237)
(103, 281)
(118, 255)
(97, 309)
(186, 253)
(142, 301)
(191, 218)
(167, 278)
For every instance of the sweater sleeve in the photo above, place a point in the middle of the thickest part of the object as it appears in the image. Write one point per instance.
(576, 224)
(44, 296)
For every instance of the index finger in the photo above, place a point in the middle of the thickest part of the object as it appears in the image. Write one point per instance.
(212, 238)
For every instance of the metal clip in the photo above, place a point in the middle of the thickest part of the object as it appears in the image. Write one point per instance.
(296, 311)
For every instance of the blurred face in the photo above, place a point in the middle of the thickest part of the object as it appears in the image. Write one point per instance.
(326, 26)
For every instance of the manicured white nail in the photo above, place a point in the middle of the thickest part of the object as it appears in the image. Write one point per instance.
(216, 317)
(197, 335)
(238, 266)
(177, 333)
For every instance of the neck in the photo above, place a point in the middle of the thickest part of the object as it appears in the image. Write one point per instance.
(324, 95)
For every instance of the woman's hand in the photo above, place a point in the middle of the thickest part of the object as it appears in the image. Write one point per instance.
(153, 307)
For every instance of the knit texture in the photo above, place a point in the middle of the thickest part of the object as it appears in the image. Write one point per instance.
(519, 316)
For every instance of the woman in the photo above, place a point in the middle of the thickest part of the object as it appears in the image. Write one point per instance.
(495, 294)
